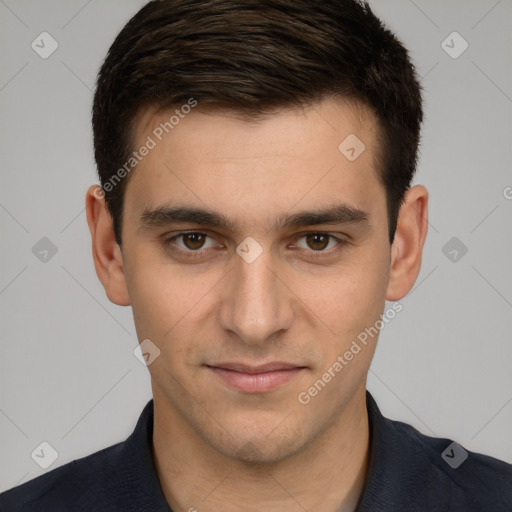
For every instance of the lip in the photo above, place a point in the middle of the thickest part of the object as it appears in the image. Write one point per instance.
(255, 379)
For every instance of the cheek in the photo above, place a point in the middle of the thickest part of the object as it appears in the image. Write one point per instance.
(154, 302)
(168, 304)
(351, 308)
(155, 293)
(348, 298)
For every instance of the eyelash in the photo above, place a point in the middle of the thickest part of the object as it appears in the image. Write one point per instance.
(168, 244)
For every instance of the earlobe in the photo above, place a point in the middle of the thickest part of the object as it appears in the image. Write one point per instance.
(107, 255)
(407, 248)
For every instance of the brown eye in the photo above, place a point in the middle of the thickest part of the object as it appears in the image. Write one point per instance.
(320, 245)
(317, 241)
(193, 241)
(193, 244)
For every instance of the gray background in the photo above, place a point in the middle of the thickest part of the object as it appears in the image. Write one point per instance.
(68, 375)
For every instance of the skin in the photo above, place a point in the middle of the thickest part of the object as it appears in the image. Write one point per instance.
(217, 448)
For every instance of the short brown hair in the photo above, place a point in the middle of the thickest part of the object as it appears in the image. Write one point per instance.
(250, 57)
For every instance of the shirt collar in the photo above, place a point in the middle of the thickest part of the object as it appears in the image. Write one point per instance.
(402, 475)
(137, 470)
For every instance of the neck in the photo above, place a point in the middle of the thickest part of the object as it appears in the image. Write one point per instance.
(328, 474)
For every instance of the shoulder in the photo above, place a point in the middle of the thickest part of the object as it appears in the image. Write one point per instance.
(475, 481)
(72, 485)
(412, 471)
(119, 477)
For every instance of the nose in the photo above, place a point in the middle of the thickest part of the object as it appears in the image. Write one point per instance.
(256, 303)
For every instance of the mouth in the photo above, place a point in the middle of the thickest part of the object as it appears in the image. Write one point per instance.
(255, 379)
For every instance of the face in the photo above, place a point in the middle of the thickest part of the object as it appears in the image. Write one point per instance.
(248, 314)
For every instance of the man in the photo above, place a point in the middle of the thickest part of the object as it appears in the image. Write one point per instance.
(256, 212)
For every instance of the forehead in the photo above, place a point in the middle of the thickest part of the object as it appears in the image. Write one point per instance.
(317, 155)
(330, 119)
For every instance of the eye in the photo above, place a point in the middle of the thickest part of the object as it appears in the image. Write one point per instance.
(193, 243)
(320, 244)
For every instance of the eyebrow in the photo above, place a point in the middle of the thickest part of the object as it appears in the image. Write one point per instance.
(337, 214)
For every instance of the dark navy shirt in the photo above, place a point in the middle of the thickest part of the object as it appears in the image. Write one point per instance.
(408, 472)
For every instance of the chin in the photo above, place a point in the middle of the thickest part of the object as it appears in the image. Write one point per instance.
(263, 453)
(257, 448)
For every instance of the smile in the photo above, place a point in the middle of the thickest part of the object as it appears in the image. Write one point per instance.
(255, 379)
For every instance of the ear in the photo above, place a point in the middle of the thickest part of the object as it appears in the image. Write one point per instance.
(407, 247)
(107, 255)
